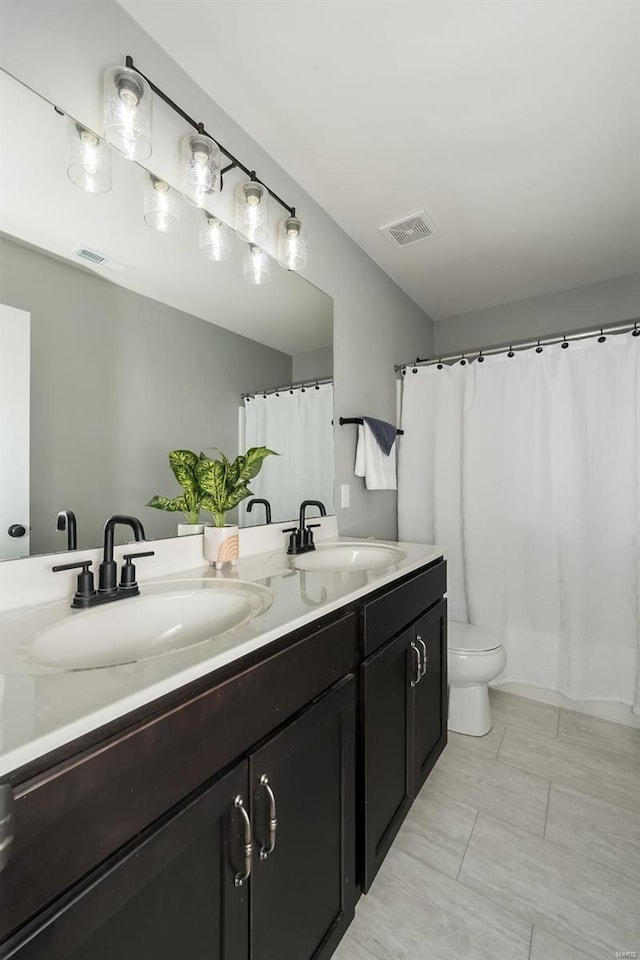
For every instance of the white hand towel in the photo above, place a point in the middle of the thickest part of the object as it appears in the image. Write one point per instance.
(378, 469)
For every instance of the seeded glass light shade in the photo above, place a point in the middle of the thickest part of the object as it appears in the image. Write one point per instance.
(252, 211)
(200, 169)
(127, 112)
(292, 244)
(215, 238)
(256, 265)
(89, 165)
(161, 205)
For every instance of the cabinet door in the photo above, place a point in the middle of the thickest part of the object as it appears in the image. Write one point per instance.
(170, 895)
(303, 880)
(430, 716)
(386, 718)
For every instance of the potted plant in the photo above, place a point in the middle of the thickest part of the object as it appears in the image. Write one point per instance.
(183, 464)
(224, 484)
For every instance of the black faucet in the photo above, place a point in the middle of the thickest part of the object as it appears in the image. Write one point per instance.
(267, 507)
(66, 520)
(108, 588)
(301, 539)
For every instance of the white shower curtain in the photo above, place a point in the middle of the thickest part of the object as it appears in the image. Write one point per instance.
(298, 426)
(528, 469)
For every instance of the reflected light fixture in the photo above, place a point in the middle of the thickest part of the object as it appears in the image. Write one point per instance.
(161, 205)
(200, 174)
(128, 112)
(215, 238)
(256, 266)
(252, 211)
(292, 244)
(89, 160)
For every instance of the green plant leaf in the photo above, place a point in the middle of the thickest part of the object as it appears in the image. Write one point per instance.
(210, 475)
(251, 463)
(175, 505)
(183, 463)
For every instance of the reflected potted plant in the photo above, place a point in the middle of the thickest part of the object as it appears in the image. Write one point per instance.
(224, 484)
(183, 464)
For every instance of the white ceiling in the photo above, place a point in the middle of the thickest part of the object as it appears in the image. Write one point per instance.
(40, 206)
(514, 123)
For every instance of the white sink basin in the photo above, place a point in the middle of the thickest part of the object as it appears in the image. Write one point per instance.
(164, 618)
(330, 557)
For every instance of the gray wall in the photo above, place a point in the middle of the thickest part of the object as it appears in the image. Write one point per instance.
(61, 48)
(118, 380)
(598, 304)
(316, 364)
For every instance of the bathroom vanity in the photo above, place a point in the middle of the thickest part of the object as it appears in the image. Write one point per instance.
(239, 814)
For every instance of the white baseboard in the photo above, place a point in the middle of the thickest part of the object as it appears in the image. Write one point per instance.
(604, 709)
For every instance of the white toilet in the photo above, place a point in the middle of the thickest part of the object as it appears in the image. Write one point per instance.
(475, 657)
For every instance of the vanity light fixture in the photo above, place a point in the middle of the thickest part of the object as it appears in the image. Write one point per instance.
(200, 173)
(161, 205)
(252, 211)
(89, 160)
(292, 244)
(128, 112)
(215, 238)
(256, 266)
(128, 118)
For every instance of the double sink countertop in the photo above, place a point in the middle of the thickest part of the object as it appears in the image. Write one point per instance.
(42, 709)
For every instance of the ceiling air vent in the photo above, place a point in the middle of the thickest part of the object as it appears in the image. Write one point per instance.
(417, 226)
(99, 259)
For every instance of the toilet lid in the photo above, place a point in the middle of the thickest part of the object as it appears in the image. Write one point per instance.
(466, 637)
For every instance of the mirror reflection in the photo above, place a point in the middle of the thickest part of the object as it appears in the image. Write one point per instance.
(120, 343)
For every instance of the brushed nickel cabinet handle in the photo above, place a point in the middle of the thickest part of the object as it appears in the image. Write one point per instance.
(273, 820)
(242, 878)
(424, 655)
(6, 823)
(418, 676)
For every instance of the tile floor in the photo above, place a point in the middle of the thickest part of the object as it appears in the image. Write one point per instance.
(523, 845)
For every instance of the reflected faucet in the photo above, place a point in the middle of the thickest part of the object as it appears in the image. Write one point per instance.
(66, 520)
(267, 507)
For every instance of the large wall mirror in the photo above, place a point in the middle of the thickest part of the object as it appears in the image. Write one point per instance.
(108, 364)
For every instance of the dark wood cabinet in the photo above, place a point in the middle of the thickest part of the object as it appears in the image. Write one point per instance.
(403, 729)
(171, 894)
(386, 722)
(303, 889)
(430, 695)
(213, 881)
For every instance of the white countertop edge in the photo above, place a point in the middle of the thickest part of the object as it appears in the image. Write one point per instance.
(41, 745)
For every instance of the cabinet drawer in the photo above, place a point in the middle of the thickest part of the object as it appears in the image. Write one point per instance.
(395, 609)
(70, 819)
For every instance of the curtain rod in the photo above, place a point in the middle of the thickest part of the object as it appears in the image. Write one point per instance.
(288, 388)
(517, 345)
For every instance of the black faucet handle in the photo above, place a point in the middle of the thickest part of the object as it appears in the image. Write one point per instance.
(128, 572)
(80, 564)
(85, 588)
(313, 525)
(289, 530)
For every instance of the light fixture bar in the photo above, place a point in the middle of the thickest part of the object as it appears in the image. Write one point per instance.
(200, 128)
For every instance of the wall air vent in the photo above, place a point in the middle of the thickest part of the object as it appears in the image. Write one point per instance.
(99, 259)
(417, 226)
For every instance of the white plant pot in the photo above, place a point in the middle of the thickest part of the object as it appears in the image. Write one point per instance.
(221, 545)
(189, 529)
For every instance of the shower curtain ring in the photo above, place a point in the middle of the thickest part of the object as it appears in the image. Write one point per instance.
(635, 332)
(538, 348)
(565, 342)
(462, 360)
(480, 357)
(601, 338)
(511, 353)
(440, 364)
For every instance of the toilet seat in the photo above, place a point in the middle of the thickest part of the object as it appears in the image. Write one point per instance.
(468, 639)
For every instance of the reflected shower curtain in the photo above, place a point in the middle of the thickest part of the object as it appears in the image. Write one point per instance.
(298, 426)
(528, 470)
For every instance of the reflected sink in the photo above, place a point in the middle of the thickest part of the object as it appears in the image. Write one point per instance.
(166, 617)
(330, 557)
